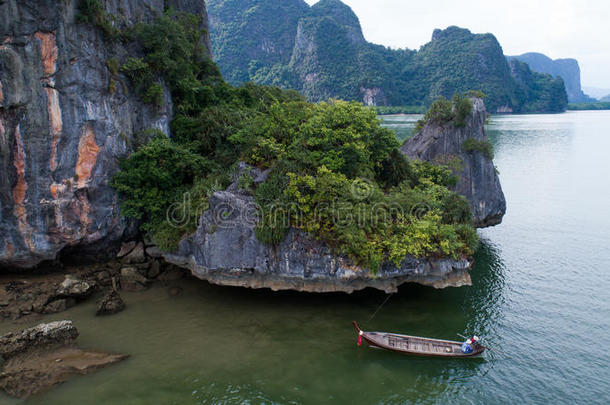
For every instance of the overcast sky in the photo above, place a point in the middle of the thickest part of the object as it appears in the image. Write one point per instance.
(577, 29)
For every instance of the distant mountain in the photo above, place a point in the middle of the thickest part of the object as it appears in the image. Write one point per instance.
(605, 99)
(596, 92)
(321, 51)
(567, 69)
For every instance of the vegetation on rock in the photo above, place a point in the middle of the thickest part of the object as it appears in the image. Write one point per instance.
(320, 51)
(334, 171)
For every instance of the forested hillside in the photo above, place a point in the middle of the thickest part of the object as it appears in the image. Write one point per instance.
(321, 51)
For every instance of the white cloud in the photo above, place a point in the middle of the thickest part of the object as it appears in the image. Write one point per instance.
(558, 28)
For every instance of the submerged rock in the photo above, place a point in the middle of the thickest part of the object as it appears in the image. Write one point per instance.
(478, 178)
(132, 280)
(40, 357)
(224, 250)
(111, 303)
(45, 334)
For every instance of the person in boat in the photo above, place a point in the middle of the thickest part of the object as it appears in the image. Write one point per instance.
(476, 342)
(470, 345)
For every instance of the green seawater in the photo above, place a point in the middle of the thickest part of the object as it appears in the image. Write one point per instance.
(540, 295)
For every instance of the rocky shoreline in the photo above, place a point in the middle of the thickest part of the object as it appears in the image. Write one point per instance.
(32, 295)
(45, 355)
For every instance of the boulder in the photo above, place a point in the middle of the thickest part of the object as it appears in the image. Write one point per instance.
(126, 248)
(45, 334)
(154, 270)
(154, 252)
(58, 305)
(132, 280)
(136, 255)
(111, 303)
(74, 287)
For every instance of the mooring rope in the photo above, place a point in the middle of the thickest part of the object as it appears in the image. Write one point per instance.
(382, 304)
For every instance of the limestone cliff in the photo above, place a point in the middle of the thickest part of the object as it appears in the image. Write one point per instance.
(225, 251)
(478, 179)
(63, 127)
(567, 69)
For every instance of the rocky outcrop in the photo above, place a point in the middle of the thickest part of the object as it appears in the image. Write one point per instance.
(478, 178)
(40, 357)
(45, 334)
(63, 126)
(225, 251)
(567, 69)
(111, 303)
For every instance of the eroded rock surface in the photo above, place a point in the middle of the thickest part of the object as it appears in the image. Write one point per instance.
(225, 251)
(478, 178)
(43, 356)
(63, 127)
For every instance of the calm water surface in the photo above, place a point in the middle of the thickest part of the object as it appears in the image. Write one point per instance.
(540, 294)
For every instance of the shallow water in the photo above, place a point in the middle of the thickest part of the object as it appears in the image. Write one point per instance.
(540, 294)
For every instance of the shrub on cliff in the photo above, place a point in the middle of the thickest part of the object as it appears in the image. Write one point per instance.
(332, 155)
(443, 112)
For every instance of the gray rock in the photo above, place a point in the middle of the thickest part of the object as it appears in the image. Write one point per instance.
(478, 179)
(73, 287)
(154, 252)
(224, 250)
(136, 255)
(58, 305)
(62, 131)
(111, 303)
(126, 248)
(154, 270)
(60, 332)
(132, 280)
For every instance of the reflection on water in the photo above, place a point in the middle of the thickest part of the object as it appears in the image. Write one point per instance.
(540, 295)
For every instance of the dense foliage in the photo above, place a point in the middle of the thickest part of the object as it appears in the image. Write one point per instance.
(589, 106)
(547, 93)
(484, 147)
(320, 51)
(443, 112)
(326, 161)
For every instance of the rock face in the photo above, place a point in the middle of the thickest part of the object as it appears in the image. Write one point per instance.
(63, 126)
(567, 69)
(225, 251)
(478, 179)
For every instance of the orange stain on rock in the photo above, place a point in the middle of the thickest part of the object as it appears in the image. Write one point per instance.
(48, 54)
(19, 163)
(57, 189)
(19, 192)
(87, 156)
(48, 51)
(55, 123)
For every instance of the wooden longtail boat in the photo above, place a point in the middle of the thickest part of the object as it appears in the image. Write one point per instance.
(416, 345)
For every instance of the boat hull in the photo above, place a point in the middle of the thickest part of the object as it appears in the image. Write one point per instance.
(416, 346)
